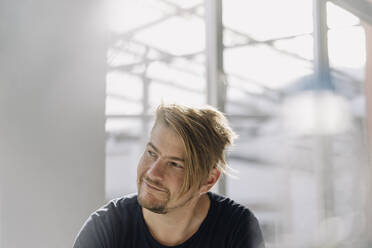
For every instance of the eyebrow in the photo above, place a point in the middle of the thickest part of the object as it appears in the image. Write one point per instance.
(170, 157)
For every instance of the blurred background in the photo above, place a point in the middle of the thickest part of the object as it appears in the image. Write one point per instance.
(79, 81)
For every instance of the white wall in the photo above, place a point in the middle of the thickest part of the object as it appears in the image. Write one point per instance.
(368, 87)
(121, 167)
(52, 91)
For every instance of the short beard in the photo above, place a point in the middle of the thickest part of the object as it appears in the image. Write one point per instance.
(158, 207)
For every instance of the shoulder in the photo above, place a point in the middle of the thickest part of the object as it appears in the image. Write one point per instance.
(117, 207)
(238, 221)
(113, 213)
(121, 203)
(105, 225)
(229, 207)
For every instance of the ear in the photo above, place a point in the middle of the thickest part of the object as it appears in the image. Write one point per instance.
(213, 177)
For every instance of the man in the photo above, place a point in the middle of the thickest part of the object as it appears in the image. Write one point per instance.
(183, 159)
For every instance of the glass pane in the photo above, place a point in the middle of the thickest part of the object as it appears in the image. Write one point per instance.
(265, 65)
(149, 63)
(124, 93)
(181, 29)
(268, 19)
(347, 51)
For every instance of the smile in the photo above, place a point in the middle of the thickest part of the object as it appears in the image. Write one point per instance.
(153, 187)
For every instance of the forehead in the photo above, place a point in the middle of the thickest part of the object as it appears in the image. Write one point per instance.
(167, 141)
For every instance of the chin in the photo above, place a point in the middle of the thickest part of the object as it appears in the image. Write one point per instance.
(152, 205)
(158, 210)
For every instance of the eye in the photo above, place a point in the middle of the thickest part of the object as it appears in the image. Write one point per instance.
(151, 153)
(177, 165)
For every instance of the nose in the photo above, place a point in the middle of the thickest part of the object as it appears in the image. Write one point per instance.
(156, 170)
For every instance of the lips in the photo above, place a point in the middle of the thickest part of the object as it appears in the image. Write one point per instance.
(151, 186)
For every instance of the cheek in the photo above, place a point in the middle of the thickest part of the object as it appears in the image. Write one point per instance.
(141, 168)
(177, 182)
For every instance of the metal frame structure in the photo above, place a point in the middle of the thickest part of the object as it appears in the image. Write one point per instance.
(360, 8)
(321, 61)
(216, 80)
(216, 87)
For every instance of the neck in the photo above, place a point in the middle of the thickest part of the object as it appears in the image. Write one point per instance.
(182, 222)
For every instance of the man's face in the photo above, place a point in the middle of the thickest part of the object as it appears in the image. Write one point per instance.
(161, 172)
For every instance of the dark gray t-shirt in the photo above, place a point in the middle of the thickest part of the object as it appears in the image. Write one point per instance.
(120, 224)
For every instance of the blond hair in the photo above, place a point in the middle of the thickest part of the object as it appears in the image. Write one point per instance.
(205, 134)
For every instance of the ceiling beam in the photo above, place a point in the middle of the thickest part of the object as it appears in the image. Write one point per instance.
(360, 8)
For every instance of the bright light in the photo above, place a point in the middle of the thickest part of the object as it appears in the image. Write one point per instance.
(176, 35)
(268, 19)
(124, 15)
(265, 65)
(347, 47)
(338, 17)
(316, 113)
